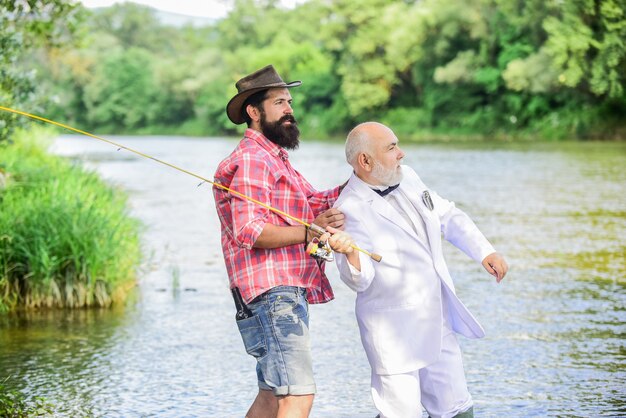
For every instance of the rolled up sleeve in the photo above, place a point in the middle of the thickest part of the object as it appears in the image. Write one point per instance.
(252, 179)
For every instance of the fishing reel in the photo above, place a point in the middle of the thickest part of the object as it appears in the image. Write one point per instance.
(320, 250)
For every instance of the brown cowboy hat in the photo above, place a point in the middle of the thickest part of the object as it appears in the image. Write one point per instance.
(263, 79)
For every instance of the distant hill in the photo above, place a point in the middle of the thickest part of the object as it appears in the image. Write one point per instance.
(176, 19)
(172, 19)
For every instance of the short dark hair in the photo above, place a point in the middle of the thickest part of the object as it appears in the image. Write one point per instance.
(254, 100)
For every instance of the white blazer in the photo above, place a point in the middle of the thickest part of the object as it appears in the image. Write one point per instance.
(399, 300)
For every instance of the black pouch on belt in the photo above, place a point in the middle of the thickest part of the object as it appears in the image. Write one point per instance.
(243, 311)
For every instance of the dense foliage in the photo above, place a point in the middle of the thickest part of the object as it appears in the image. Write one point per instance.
(507, 68)
(27, 26)
(480, 66)
(66, 239)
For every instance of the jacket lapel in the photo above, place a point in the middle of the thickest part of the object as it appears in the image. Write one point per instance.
(414, 191)
(381, 206)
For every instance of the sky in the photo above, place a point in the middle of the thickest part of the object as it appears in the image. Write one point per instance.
(204, 8)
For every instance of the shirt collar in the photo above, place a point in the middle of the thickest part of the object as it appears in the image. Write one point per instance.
(266, 144)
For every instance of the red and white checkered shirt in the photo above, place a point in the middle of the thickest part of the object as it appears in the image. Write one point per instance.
(260, 169)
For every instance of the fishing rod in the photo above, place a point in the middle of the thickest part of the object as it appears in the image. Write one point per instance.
(316, 228)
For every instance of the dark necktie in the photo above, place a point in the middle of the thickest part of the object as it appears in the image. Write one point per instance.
(388, 190)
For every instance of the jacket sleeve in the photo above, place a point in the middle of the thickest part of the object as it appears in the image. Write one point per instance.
(459, 229)
(357, 281)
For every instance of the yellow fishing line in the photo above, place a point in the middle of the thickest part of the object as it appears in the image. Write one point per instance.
(316, 228)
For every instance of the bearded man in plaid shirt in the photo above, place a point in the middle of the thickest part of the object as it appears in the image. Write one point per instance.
(272, 277)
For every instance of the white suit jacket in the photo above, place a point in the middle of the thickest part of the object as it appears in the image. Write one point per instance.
(399, 300)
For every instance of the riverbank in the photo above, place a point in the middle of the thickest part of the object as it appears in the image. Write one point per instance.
(608, 129)
(66, 239)
(422, 137)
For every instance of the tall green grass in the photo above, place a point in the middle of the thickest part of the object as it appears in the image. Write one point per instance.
(66, 239)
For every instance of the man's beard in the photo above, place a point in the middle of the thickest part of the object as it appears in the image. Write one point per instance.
(386, 177)
(282, 135)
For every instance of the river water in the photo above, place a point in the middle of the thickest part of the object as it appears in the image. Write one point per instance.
(555, 327)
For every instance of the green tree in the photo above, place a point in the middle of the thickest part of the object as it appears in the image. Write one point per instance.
(123, 91)
(493, 67)
(25, 26)
(586, 41)
(135, 26)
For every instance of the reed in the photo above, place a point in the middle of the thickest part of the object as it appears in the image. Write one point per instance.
(66, 238)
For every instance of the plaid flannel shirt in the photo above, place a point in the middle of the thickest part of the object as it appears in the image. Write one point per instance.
(260, 169)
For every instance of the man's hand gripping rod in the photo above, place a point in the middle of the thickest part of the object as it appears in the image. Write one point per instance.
(319, 230)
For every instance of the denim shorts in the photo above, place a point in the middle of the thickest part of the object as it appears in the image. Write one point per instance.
(277, 336)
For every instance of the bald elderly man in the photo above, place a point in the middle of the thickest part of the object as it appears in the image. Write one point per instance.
(406, 306)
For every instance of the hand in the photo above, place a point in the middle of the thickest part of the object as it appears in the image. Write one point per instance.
(496, 265)
(339, 241)
(332, 217)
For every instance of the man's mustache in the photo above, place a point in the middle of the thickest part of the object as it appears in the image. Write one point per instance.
(287, 118)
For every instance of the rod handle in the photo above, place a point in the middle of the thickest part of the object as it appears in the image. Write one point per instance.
(376, 257)
(317, 229)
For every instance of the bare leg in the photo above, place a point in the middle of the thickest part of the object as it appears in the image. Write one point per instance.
(292, 406)
(265, 405)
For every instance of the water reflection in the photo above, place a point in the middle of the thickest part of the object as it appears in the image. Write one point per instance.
(555, 328)
(43, 350)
